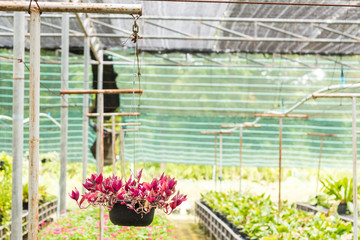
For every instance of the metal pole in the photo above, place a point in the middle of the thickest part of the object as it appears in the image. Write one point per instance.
(18, 127)
(241, 135)
(122, 152)
(34, 110)
(11, 6)
(221, 160)
(318, 173)
(354, 143)
(113, 144)
(214, 168)
(85, 108)
(280, 150)
(100, 135)
(64, 110)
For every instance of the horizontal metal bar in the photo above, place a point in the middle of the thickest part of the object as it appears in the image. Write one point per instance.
(104, 91)
(212, 19)
(73, 7)
(322, 134)
(114, 114)
(335, 95)
(281, 115)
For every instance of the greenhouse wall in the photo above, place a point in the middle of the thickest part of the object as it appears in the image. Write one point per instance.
(194, 95)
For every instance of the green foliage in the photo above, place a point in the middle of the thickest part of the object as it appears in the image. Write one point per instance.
(320, 200)
(341, 190)
(258, 217)
(6, 183)
(84, 225)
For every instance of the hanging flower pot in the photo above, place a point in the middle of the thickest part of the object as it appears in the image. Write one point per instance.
(342, 208)
(121, 215)
(135, 200)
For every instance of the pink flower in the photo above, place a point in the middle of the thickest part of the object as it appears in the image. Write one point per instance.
(114, 235)
(106, 228)
(65, 237)
(168, 230)
(74, 195)
(57, 231)
(43, 224)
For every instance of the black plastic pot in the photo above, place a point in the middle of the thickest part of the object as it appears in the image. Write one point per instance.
(123, 216)
(342, 208)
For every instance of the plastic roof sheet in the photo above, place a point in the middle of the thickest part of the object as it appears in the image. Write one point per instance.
(219, 27)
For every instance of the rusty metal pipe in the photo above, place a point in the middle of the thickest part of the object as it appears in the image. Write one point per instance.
(34, 123)
(73, 7)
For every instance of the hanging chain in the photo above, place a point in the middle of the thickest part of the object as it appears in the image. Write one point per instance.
(134, 39)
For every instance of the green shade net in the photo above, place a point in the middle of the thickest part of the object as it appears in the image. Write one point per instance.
(49, 104)
(197, 95)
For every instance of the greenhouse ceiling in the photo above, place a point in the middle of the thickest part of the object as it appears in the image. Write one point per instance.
(217, 27)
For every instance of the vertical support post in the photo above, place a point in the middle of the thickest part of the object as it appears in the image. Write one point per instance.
(34, 110)
(318, 173)
(18, 127)
(280, 170)
(64, 109)
(241, 135)
(100, 134)
(113, 144)
(100, 123)
(215, 163)
(354, 143)
(85, 109)
(221, 160)
(122, 152)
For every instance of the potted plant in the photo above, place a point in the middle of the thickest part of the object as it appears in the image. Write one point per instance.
(341, 190)
(130, 202)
